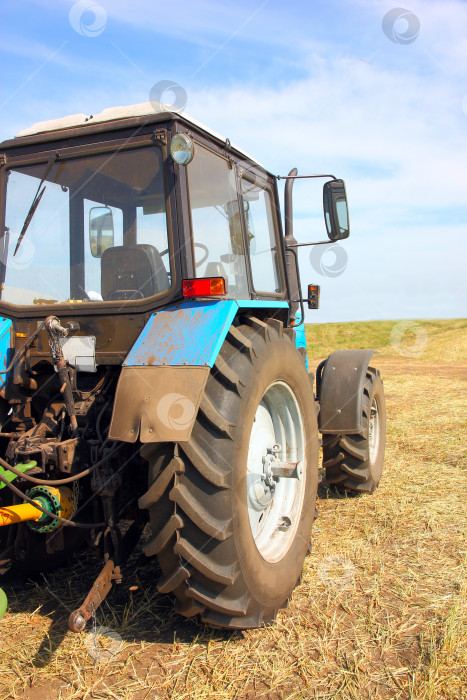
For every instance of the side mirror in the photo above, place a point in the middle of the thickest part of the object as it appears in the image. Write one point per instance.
(336, 215)
(101, 230)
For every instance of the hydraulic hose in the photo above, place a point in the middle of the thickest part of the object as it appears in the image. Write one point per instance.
(60, 482)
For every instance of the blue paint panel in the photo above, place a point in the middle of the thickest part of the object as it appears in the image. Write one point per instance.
(262, 304)
(5, 348)
(300, 338)
(190, 334)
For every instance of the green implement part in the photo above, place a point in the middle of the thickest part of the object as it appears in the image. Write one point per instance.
(9, 476)
(3, 603)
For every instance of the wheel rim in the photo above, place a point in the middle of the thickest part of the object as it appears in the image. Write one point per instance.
(275, 503)
(374, 431)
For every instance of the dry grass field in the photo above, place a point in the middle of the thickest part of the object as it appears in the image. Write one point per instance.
(381, 609)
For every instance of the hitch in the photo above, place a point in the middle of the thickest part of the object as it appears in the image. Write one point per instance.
(102, 585)
(110, 573)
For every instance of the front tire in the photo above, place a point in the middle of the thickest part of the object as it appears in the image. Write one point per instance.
(227, 547)
(354, 463)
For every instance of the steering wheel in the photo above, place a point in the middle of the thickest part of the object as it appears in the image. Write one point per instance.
(198, 263)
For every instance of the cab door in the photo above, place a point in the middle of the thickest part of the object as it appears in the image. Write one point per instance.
(263, 235)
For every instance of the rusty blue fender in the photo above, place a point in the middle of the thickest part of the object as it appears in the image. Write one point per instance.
(190, 334)
(163, 378)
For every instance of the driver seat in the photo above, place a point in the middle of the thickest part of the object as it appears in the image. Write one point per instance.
(132, 272)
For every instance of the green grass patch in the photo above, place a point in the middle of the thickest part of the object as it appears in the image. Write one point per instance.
(443, 340)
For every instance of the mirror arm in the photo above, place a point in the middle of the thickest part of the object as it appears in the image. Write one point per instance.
(288, 216)
(302, 308)
(298, 177)
(299, 245)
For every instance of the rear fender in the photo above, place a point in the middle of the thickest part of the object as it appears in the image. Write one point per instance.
(163, 378)
(340, 381)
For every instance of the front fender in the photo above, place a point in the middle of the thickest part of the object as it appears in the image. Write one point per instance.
(340, 381)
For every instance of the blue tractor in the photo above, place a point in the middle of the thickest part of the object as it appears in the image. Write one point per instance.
(154, 365)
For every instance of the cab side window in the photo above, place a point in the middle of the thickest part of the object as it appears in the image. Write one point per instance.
(218, 245)
(261, 235)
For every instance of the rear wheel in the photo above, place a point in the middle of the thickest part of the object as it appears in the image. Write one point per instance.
(231, 510)
(355, 462)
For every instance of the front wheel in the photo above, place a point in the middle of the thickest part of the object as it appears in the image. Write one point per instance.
(355, 462)
(232, 509)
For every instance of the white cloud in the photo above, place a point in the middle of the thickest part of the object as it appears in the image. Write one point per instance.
(353, 118)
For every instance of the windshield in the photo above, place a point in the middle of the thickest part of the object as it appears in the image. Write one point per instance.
(97, 233)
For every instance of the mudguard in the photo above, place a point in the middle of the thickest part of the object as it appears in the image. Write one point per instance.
(163, 378)
(340, 382)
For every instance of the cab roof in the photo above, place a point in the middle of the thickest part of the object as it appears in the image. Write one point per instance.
(116, 116)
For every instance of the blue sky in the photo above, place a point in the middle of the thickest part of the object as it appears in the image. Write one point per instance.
(343, 87)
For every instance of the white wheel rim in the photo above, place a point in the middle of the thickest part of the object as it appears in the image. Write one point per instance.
(273, 524)
(373, 432)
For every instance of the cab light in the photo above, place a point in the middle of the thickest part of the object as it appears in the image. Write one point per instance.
(182, 149)
(204, 287)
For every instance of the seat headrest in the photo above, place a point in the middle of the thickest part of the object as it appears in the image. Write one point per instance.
(132, 272)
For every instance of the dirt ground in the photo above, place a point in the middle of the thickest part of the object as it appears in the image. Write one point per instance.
(380, 611)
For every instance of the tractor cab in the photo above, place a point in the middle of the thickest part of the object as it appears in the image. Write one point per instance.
(115, 211)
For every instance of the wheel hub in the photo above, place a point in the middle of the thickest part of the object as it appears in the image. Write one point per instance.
(261, 491)
(275, 474)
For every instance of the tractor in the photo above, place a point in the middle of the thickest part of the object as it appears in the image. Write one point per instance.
(154, 369)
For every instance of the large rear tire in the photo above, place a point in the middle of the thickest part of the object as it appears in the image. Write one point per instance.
(355, 462)
(229, 548)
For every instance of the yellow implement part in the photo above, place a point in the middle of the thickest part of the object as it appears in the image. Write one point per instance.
(58, 501)
(19, 514)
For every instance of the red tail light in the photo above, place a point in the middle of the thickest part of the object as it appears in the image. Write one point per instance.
(204, 287)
